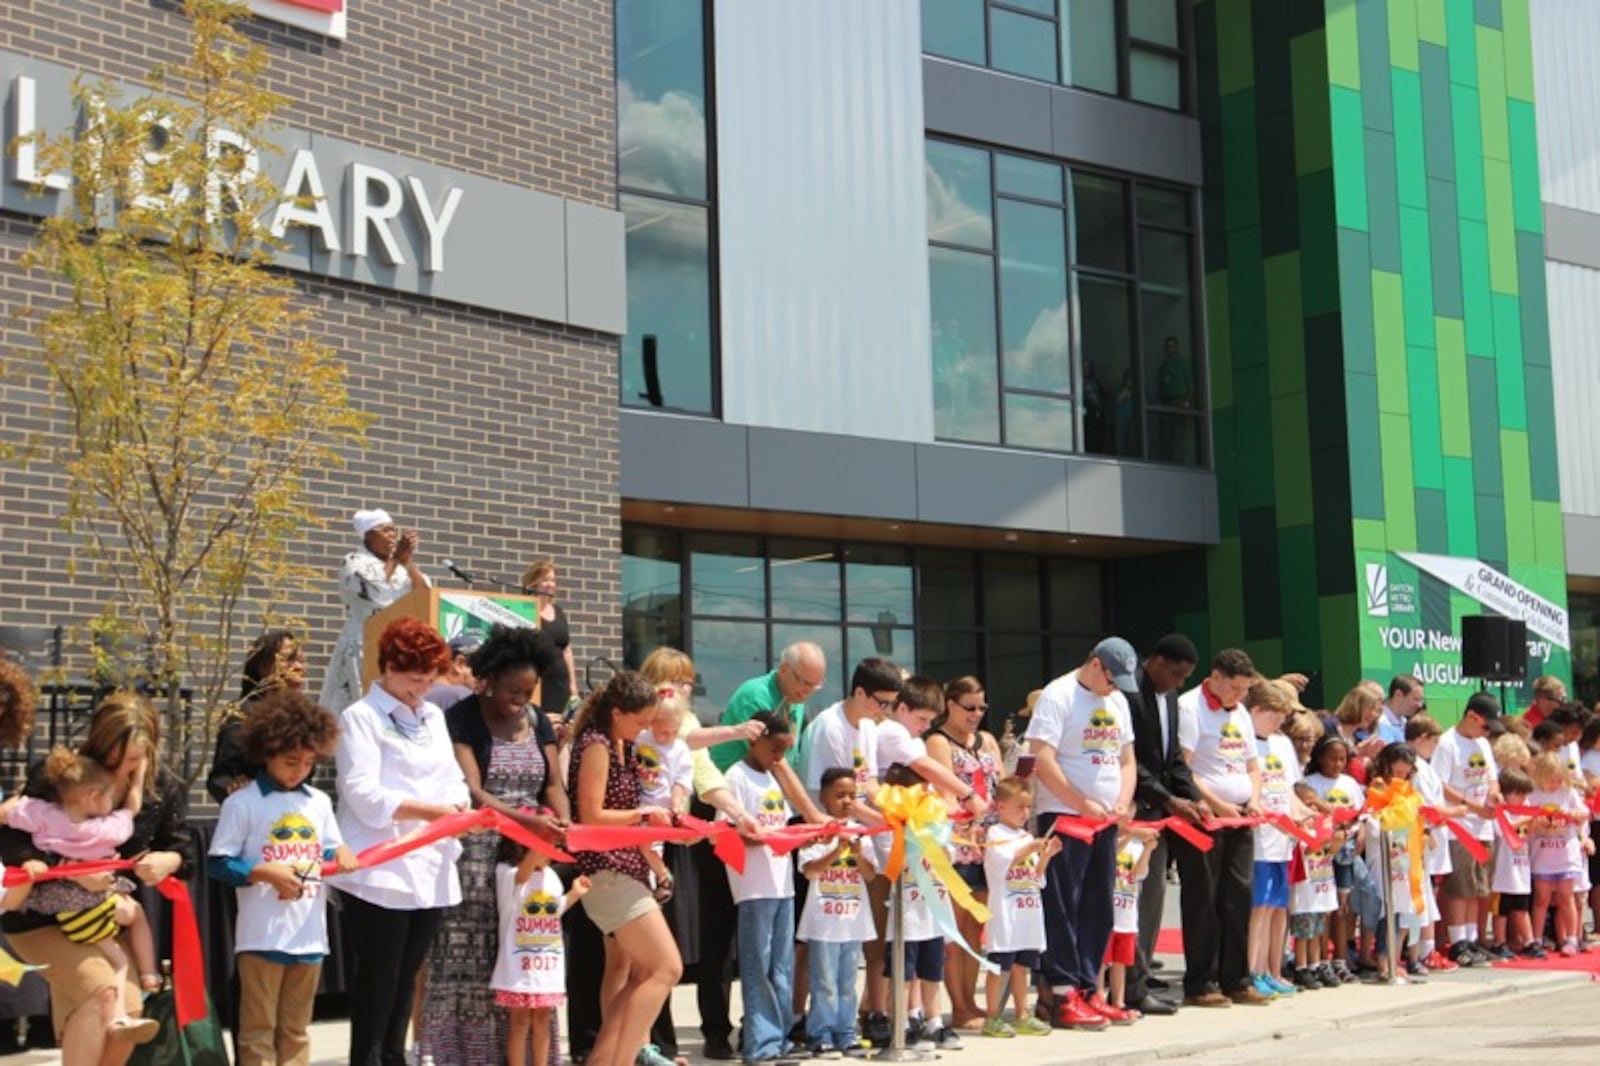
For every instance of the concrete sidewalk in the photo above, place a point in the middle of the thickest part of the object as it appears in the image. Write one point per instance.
(1190, 1032)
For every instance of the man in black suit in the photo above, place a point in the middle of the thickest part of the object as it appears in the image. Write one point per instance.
(1165, 787)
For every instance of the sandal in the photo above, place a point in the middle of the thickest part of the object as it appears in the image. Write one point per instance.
(133, 1030)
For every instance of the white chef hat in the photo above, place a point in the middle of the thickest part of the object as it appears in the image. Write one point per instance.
(366, 521)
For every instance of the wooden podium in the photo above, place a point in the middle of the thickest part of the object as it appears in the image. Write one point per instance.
(450, 611)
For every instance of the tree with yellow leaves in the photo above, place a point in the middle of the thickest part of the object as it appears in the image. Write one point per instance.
(195, 394)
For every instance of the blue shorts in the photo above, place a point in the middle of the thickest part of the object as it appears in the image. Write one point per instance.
(1007, 959)
(1270, 885)
(972, 873)
(924, 960)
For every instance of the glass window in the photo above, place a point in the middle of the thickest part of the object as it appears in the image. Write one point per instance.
(1154, 20)
(945, 585)
(1011, 592)
(1100, 221)
(1047, 8)
(727, 576)
(1016, 176)
(652, 570)
(805, 580)
(877, 585)
(946, 656)
(1042, 422)
(1163, 207)
(1075, 596)
(666, 356)
(1089, 43)
(959, 204)
(1016, 668)
(661, 97)
(643, 633)
(886, 642)
(1154, 78)
(1110, 393)
(965, 387)
(954, 29)
(1033, 297)
(1022, 44)
(726, 655)
(1176, 438)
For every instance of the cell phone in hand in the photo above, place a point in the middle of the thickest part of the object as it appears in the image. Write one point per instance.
(1025, 766)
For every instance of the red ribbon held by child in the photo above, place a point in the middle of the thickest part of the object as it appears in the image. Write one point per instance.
(1472, 844)
(725, 840)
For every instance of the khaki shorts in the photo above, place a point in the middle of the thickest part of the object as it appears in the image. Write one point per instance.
(1468, 878)
(616, 899)
(76, 972)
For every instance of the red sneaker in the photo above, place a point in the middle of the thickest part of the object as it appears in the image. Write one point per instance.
(1438, 962)
(1073, 1013)
(1114, 1015)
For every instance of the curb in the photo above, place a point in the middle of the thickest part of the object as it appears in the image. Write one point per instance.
(1526, 982)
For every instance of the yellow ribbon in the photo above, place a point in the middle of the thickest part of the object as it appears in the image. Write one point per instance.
(1399, 810)
(919, 812)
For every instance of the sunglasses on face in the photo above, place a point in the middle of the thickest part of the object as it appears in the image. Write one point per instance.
(289, 832)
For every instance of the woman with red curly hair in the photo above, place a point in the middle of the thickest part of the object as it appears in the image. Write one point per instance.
(397, 772)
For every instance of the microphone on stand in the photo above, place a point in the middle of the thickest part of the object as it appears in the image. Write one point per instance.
(457, 571)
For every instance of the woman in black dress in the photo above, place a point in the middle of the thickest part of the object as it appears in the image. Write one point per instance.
(555, 640)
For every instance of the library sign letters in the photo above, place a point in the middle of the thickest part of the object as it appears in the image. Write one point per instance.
(358, 214)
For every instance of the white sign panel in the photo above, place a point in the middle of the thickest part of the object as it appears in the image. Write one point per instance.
(326, 17)
(1497, 592)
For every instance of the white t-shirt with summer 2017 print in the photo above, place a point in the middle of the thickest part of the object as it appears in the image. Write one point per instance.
(531, 960)
(1220, 742)
(1467, 765)
(831, 741)
(1016, 906)
(766, 876)
(837, 910)
(1279, 775)
(1088, 733)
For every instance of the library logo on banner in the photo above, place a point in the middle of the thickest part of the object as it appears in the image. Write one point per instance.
(326, 17)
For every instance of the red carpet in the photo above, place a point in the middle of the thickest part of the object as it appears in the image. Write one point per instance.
(1583, 962)
(1169, 942)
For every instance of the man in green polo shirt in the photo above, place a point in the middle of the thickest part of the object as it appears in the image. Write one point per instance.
(802, 670)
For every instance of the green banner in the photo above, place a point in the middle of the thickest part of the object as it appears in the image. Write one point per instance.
(472, 613)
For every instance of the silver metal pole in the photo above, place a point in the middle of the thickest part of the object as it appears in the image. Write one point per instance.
(897, 1050)
(1396, 975)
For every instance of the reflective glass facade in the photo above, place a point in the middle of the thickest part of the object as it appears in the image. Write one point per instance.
(1063, 308)
(734, 601)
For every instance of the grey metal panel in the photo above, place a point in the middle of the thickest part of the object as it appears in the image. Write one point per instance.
(991, 487)
(683, 460)
(1002, 109)
(1571, 236)
(984, 105)
(1583, 545)
(1574, 303)
(1566, 39)
(1116, 499)
(822, 228)
(829, 474)
(596, 296)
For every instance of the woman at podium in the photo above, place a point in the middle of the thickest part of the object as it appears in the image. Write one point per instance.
(382, 571)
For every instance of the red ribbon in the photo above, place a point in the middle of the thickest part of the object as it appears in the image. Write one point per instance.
(449, 826)
(726, 843)
(1473, 845)
(16, 875)
(188, 962)
(1181, 826)
(791, 837)
(1513, 838)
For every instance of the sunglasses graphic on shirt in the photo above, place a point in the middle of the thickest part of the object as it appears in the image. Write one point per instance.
(289, 832)
(536, 907)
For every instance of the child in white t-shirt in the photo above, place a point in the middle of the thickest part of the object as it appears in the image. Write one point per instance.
(1559, 845)
(666, 777)
(1269, 704)
(530, 971)
(1512, 879)
(836, 920)
(1133, 862)
(1339, 791)
(272, 838)
(763, 896)
(1014, 867)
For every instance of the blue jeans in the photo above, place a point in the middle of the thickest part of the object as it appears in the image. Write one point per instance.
(832, 1017)
(766, 974)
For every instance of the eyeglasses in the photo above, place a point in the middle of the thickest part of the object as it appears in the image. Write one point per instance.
(805, 681)
(884, 705)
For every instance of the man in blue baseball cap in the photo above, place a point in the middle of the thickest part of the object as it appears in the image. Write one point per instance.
(1081, 736)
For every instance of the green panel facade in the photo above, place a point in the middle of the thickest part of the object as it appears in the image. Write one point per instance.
(1380, 369)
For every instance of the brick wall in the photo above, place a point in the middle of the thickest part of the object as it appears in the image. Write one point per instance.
(495, 436)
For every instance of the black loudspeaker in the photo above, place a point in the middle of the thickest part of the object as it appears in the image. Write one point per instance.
(1494, 648)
